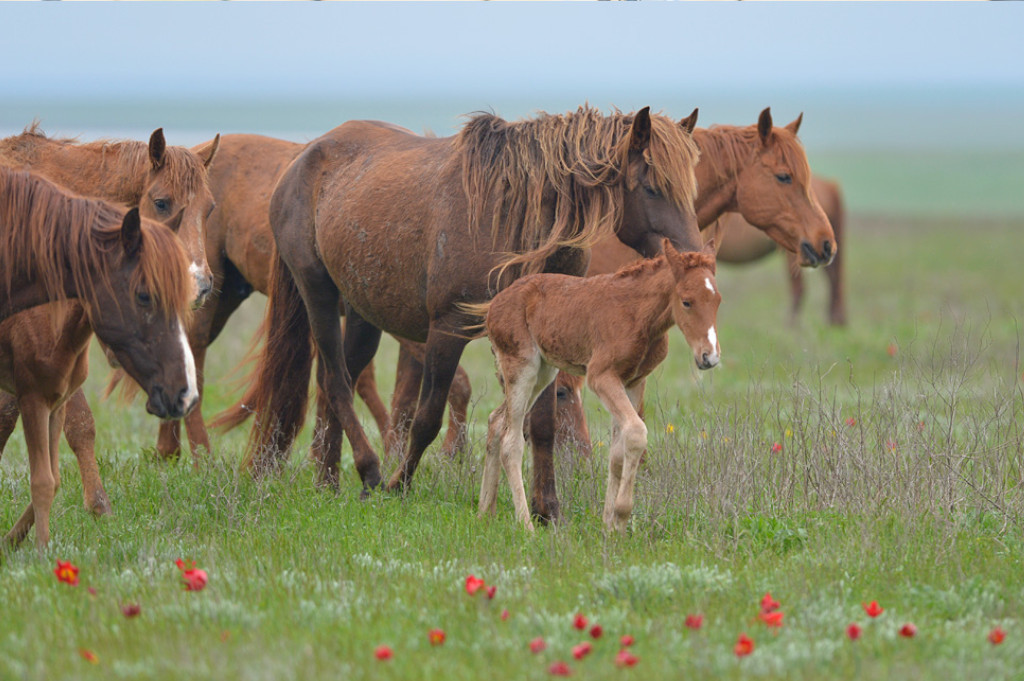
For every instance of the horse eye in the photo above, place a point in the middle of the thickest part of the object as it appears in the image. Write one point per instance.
(162, 205)
(687, 304)
(562, 393)
(143, 298)
(784, 178)
(651, 191)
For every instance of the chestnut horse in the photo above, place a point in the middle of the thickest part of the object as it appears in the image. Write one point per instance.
(239, 246)
(130, 276)
(405, 228)
(613, 328)
(169, 185)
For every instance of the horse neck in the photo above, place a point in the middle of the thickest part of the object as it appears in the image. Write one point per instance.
(653, 287)
(717, 173)
(113, 171)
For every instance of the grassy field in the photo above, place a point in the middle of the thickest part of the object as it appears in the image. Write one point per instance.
(917, 505)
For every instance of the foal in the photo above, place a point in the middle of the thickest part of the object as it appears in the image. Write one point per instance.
(613, 328)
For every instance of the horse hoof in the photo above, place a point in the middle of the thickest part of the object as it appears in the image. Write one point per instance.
(100, 505)
(545, 512)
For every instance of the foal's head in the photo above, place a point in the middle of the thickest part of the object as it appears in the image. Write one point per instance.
(695, 301)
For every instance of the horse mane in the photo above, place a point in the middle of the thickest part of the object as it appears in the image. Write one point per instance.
(689, 259)
(53, 234)
(727, 147)
(181, 166)
(580, 158)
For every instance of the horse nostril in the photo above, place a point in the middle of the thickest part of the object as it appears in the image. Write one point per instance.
(827, 248)
(704, 358)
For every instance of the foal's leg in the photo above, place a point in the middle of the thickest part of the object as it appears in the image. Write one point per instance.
(444, 349)
(492, 461)
(80, 432)
(195, 428)
(366, 388)
(8, 418)
(627, 446)
(542, 442)
(35, 421)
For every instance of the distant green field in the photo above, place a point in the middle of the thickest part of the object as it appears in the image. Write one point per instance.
(917, 505)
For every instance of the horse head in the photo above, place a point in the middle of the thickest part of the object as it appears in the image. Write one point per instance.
(695, 301)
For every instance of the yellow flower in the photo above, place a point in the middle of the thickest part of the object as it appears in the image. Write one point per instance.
(789, 432)
(703, 435)
(670, 428)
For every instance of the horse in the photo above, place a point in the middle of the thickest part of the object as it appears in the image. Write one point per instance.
(169, 185)
(131, 277)
(405, 228)
(239, 247)
(612, 328)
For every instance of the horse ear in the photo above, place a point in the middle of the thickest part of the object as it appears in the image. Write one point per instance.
(131, 233)
(640, 133)
(690, 122)
(157, 147)
(795, 125)
(764, 125)
(207, 153)
(714, 241)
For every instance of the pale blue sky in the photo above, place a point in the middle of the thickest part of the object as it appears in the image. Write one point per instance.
(579, 50)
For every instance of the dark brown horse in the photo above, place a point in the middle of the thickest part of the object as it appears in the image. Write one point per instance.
(130, 277)
(167, 183)
(406, 228)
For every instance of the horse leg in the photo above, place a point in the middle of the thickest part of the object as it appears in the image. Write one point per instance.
(366, 388)
(195, 428)
(457, 437)
(492, 461)
(444, 349)
(80, 432)
(542, 429)
(837, 299)
(628, 444)
(796, 288)
(8, 418)
(408, 377)
(35, 420)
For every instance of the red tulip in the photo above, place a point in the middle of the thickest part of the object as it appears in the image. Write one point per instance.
(851, 422)
(195, 580)
(996, 636)
(768, 604)
(93, 592)
(89, 656)
(624, 658)
(580, 622)
(776, 447)
(66, 572)
(504, 614)
(596, 631)
(473, 584)
(581, 650)
(491, 590)
(559, 669)
(626, 641)
(538, 644)
(130, 610)
(772, 619)
(744, 646)
(383, 652)
(853, 632)
(694, 621)
(436, 636)
(873, 609)
(908, 630)
(892, 349)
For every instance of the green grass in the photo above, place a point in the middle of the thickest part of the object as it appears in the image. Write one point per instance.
(305, 584)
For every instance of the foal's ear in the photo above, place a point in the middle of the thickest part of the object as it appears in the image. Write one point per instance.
(690, 122)
(157, 147)
(764, 125)
(795, 125)
(207, 153)
(640, 133)
(131, 233)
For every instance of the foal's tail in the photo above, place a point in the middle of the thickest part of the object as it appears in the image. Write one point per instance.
(478, 310)
(279, 391)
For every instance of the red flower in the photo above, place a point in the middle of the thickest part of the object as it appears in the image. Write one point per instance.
(853, 631)
(920, 426)
(195, 580)
(89, 656)
(776, 447)
(891, 444)
(768, 604)
(559, 669)
(538, 644)
(581, 650)
(67, 573)
(624, 658)
(504, 614)
(436, 636)
(131, 610)
(92, 591)
(383, 652)
(473, 584)
(627, 641)
(772, 619)
(873, 609)
(596, 631)
(580, 622)
(892, 349)
(491, 590)
(908, 630)
(694, 621)
(744, 646)
(996, 636)
(851, 422)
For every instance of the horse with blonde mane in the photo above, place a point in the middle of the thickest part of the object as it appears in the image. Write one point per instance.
(168, 185)
(131, 279)
(406, 228)
(612, 328)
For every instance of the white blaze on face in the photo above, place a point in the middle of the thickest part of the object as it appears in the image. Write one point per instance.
(707, 282)
(192, 394)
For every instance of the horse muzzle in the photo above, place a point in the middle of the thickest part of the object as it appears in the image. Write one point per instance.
(809, 257)
(707, 360)
(162, 406)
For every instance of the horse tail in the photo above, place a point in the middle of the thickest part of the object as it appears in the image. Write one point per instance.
(478, 310)
(279, 389)
(239, 413)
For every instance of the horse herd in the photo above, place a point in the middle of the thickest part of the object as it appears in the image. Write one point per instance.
(432, 240)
